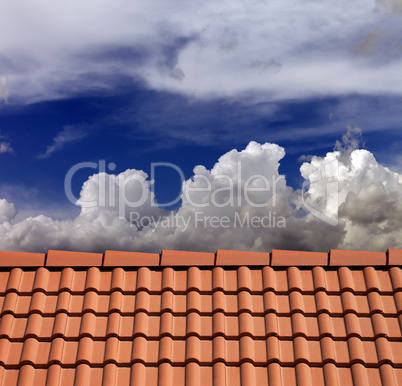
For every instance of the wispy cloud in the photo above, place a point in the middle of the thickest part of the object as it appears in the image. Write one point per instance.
(66, 137)
(5, 147)
(282, 48)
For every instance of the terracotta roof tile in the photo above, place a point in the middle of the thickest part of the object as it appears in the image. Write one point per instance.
(196, 323)
(19, 259)
(184, 258)
(295, 258)
(224, 257)
(130, 259)
(395, 256)
(73, 259)
(356, 258)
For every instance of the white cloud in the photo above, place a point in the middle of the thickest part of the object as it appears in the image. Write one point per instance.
(284, 49)
(66, 137)
(5, 147)
(217, 213)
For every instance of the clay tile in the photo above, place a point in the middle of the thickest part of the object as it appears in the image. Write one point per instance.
(116, 301)
(34, 325)
(296, 302)
(396, 278)
(387, 375)
(243, 279)
(247, 374)
(297, 258)
(54, 375)
(274, 374)
(327, 349)
(395, 257)
(41, 279)
(380, 327)
(167, 300)
(110, 375)
(219, 348)
(359, 375)
(56, 350)
(138, 374)
(193, 349)
(359, 258)
(352, 325)
(345, 279)
(90, 302)
(225, 257)
(29, 351)
(143, 279)
(82, 374)
(268, 278)
(10, 303)
(374, 301)
(166, 324)
(21, 259)
(246, 348)
(67, 278)
(26, 375)
(165, 349)
(193, 324)
(168, 279)
(246, 324)
(141, 320)
(14, 280)
(245, 302)
(319, 278)
(356, 350)
(111, 350)
(113, 324)
(88, 325)
(181, 258)
(93, 279)
(273, 349)
(193, 279)
(117, 279)
(348, 302)
(371, 278)
(303, 375)
(193, 301)
(219, 323)
(299, 327)
(218, 279)
(130, 259)
(294, 279)
(73, 259)
(60, 324)
(383, 348)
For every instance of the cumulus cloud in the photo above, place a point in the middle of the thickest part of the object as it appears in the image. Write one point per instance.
(284, 49)
(242, 202)
(64, 138)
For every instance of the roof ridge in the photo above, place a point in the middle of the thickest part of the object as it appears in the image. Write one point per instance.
(276, 258)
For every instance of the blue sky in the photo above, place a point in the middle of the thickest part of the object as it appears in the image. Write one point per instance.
(139, 83)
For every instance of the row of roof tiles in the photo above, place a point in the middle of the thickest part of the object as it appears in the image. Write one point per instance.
(47, 328)
(205, 352)
(203, 304)
(205, 281)
(181, 258)
(193, 374)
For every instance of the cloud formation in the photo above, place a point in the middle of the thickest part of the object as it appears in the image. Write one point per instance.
(5, 147)
(283, 49)
(242, 202)
(64, 138)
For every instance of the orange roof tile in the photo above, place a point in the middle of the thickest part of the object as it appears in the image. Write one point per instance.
(188, 318)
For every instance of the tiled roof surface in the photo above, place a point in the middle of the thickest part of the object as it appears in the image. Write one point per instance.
(186, 318)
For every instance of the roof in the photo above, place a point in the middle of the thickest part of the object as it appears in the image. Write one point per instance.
(225, 318)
